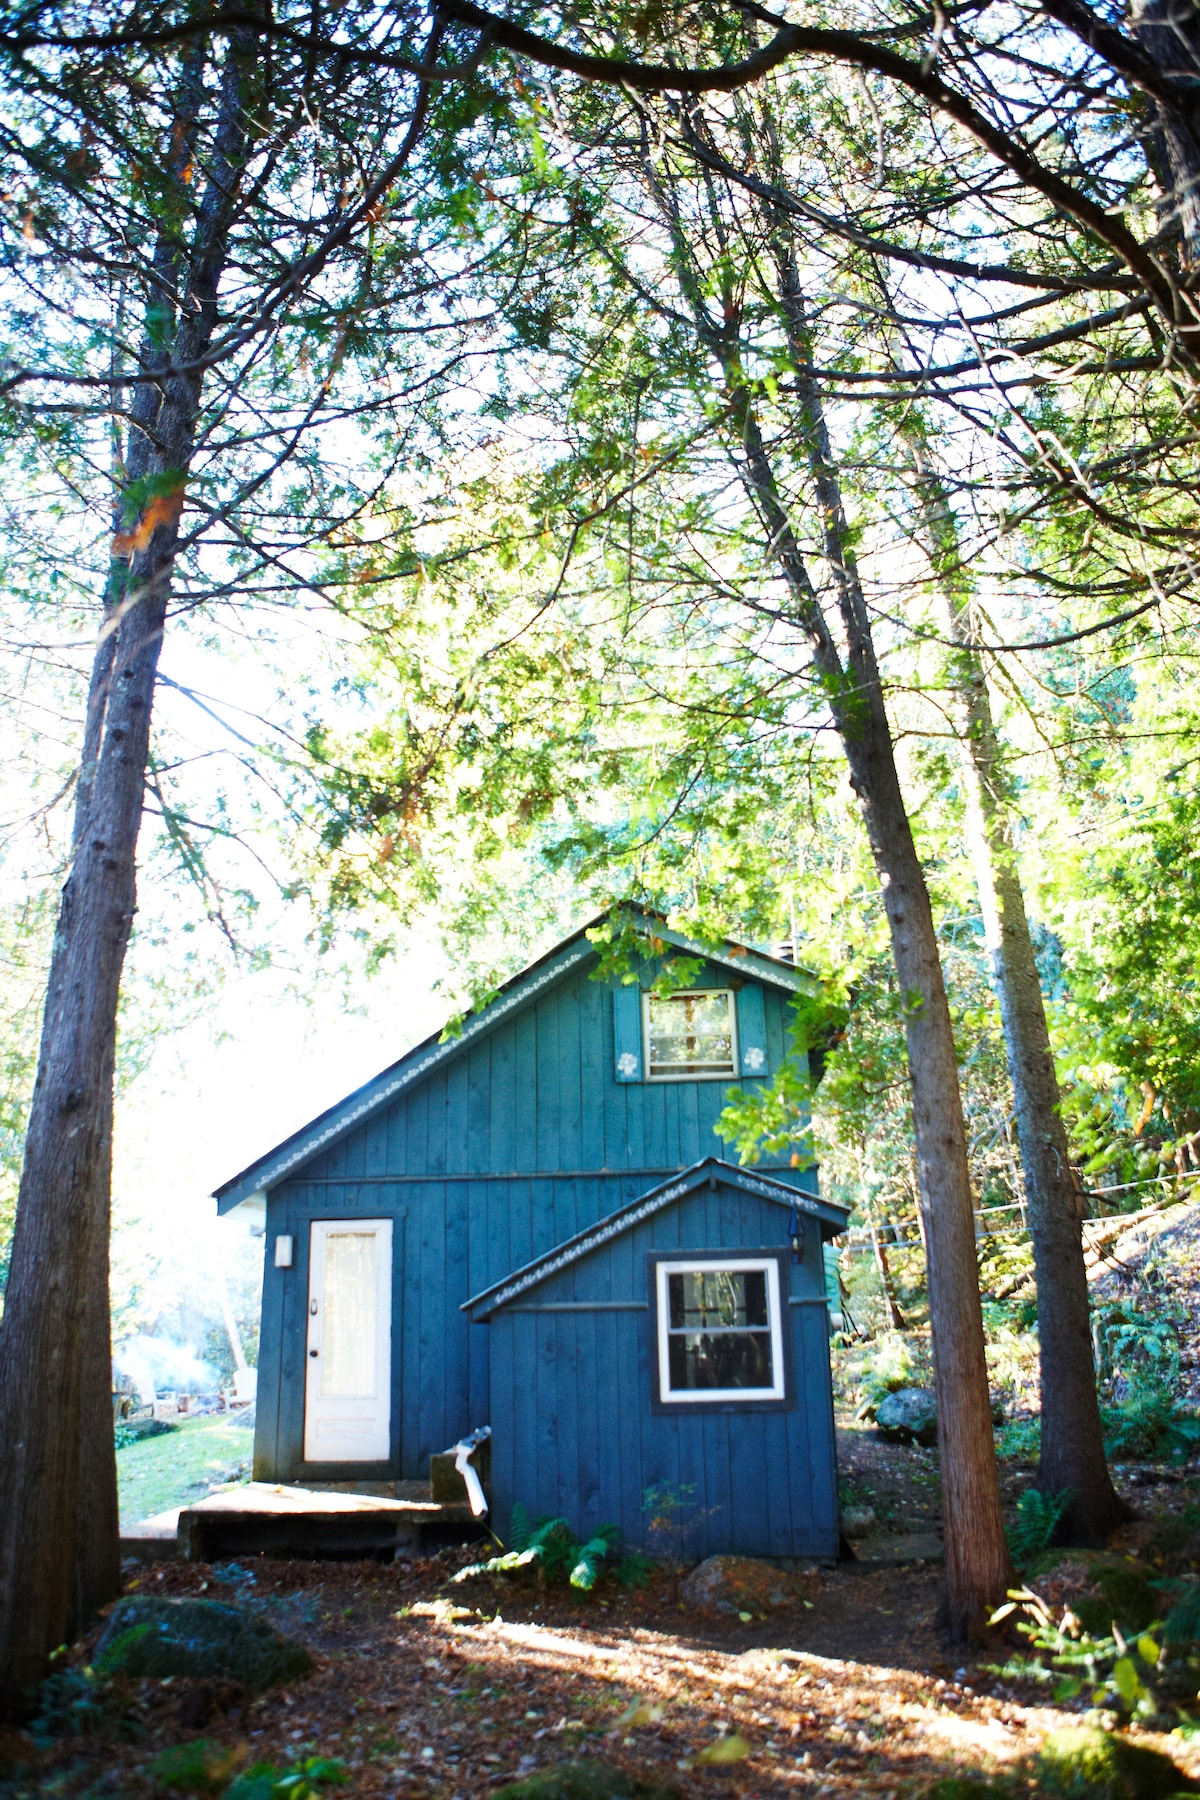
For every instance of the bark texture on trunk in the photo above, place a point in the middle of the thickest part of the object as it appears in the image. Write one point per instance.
(1073, 1456)
(58, 1515)
(54, 1287)
(1072, 1436)
(978, 1569)
(1169, 31)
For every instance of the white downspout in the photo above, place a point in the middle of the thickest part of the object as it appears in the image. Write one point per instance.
(463, 1451)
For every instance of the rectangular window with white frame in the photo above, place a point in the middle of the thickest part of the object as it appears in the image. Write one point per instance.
(719, 1330)
(691, 1035)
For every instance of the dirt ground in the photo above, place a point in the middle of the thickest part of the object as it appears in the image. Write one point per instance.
(426, 1688)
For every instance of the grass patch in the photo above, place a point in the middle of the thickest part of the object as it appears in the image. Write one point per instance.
(162, 1472)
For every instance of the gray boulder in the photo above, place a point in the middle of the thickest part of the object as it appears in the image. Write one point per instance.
(908, 1417)
(149, 1636)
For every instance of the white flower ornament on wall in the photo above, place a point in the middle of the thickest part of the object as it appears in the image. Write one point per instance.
(627, 1063)
(754, 1059)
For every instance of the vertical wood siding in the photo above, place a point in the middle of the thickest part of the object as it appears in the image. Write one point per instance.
(574, 1431)
(523, 1140)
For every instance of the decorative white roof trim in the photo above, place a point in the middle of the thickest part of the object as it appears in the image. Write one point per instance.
(633, 1214)
(269, 1171)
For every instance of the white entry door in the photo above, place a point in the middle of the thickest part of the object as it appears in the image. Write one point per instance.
(348, 1387)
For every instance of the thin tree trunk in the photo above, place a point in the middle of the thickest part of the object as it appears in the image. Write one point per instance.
(58, 1525)
(893, 1315)
(978, 1569)
(1073, 1457)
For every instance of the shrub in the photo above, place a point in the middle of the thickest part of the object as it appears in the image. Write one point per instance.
(146, 1635)
(303, 1781)
(551, 1548)
(1097, 1765)
(202, 1767)
(1149, 1422)
(133, 1431)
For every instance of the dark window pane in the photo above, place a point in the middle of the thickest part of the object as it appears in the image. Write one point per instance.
(707, 1299)
(727, 1359)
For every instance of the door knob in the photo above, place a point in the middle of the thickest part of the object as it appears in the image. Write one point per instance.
(312, 1353)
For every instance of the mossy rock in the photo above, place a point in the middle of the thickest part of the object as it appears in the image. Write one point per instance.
(149, 1636)
(963, 1787)
(1084, 1763)
(584, 1781)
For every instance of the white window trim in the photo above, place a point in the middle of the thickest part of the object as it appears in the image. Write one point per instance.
(706, 1265)
(729, 1074)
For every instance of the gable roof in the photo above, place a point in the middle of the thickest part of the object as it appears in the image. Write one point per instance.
(710, 1171)
(413, 1067)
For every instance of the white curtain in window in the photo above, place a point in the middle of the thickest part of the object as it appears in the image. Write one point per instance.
(348, 1338)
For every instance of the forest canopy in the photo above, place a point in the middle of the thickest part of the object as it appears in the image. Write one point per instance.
(479, 467)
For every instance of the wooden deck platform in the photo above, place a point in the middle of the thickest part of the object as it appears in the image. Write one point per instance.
(264, 1519)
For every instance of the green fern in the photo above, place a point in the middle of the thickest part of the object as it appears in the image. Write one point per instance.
(552, 1547)
(634, 1570)
(586, 1572)
(1037, 1520)
(521, 1530)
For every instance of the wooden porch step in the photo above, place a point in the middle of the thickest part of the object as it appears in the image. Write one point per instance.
(265, 1519)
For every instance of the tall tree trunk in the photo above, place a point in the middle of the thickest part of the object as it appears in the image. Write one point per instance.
(97, 1567)
(1072, 1436)
(978, 1569)
(58, 1526)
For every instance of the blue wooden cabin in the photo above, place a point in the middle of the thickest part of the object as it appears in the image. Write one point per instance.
(488, 1232)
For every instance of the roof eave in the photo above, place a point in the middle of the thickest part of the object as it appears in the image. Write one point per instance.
(832, 1220)
(296, 1149)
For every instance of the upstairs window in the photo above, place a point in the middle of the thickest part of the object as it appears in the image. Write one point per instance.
(719, 1330)
(689, 1034)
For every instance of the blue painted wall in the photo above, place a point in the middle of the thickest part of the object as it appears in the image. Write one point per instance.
(573, 1430)
(498, 1155)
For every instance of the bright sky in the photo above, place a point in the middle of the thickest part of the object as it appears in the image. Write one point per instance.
(223, 1090)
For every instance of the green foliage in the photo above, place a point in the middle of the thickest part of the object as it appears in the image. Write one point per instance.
(1036, 1522)
(1020, 1439)
(127, 1432)
(891, 1367)
(551, 1548)
(1109, 1649)
(962, 1787)
(76, 1702)
(1084, 1763)
(1150, 1422)
(202, 1767)
(304, 1780)
(634, 1570)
